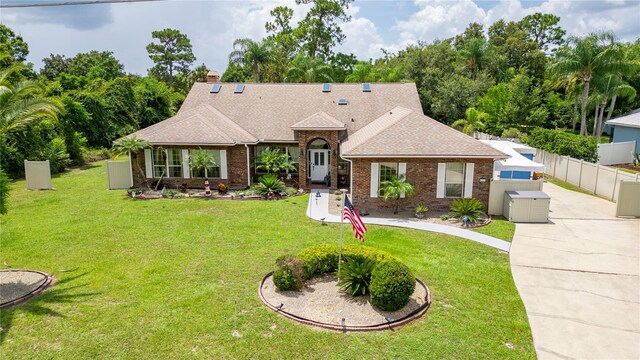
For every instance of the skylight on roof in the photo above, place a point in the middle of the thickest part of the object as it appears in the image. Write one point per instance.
(239, 89)
(326, 87)
(342, 102)
(366, 87)
(215, 88)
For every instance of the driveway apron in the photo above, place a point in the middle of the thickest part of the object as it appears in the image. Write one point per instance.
(579, 279)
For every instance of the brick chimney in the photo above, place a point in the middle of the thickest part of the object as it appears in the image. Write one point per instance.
(213, 77)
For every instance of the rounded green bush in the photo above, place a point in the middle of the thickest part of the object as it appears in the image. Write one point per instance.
(290, 274)
(392, 283)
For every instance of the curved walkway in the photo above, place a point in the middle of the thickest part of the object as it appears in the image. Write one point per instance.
(318, 209)
(579, 279)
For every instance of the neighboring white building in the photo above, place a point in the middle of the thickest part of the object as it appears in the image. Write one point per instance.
(520, 164)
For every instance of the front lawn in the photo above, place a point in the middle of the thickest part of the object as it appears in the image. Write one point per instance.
(175, 278)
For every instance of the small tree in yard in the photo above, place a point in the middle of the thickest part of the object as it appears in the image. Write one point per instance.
(130, 146)
(394, 188)
(200, 160)
(275, 161)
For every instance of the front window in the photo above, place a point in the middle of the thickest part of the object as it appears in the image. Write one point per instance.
(454, 179)
(159, 163)
(209, 172)
(167, 163)
(388, 171)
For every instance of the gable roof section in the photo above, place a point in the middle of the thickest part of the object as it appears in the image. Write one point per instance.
(630, 120)
(268, 111)
(403, 132)
(203, 125)
(319, 121)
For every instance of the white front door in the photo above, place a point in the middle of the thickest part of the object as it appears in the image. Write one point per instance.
(319, 163)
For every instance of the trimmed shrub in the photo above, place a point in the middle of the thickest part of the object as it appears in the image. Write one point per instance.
(392, 283)
(472, 208)
(290, 273)
(319, 259)
(355, 276)
(4, 192)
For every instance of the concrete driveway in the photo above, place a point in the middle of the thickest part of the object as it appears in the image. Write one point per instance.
(579, 279)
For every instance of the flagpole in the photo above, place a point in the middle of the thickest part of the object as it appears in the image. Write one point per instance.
(341, 226)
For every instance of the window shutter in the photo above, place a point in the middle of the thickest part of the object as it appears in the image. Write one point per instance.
(148, 165)
(402, 173)
(223, 164)
(442, 168)
(468, 180)
(185, 164)
(375, 169)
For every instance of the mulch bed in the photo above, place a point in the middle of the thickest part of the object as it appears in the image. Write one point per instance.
(17, 286)
(321, 304)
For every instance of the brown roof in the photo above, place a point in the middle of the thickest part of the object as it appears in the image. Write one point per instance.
(319, 121)
(402, 132)
(267, 111)
(202, 125)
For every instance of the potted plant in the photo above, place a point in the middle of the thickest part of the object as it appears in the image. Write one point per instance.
(421, 211)
(222, 188)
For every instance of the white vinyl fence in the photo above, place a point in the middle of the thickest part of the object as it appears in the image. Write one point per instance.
(119, 175)
(616, 153)
(498, 188)
(38, 175)
(598, 179)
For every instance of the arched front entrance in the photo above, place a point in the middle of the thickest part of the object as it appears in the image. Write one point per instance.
(319, 161)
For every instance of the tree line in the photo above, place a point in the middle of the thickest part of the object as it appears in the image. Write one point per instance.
(506, 80)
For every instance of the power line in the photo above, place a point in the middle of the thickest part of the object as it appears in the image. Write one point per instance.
(69, 3)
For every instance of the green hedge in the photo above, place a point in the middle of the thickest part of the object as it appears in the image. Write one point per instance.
(394, 281)
(564, 143)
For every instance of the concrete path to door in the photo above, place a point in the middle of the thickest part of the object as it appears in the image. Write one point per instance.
(318, 209)
(579, 279)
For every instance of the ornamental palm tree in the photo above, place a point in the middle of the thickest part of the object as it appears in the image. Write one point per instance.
(394, 189)
(275, 161)
(472, 122)
(131, 146)
(473, 53)
(584, 58)
(199, 160)
(21, 103)
(308, 70)
(255, 54)
(609, 88)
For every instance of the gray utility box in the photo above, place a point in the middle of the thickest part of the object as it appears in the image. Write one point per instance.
(526, 206)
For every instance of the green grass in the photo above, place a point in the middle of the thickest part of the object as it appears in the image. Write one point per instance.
(499, 227)
(174, 279)
(567, 186)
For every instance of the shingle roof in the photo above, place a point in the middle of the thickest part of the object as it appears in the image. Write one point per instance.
(630, 120)
(202, 125)
(319, 121)
(267, 111)
(403, 132)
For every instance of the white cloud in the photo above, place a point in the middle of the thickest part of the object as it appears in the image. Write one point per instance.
(438, 19)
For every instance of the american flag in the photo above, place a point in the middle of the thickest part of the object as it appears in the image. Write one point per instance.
(351, 214)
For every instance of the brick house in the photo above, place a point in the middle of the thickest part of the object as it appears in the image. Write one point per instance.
(353, 135)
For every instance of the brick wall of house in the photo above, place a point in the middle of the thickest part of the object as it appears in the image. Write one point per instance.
(422, 174)
(305, 137)
(236, 170)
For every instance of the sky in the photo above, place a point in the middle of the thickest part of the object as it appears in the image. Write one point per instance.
(212, 26)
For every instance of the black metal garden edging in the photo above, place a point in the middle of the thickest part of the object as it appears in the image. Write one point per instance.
(42, 287)
(415, 314)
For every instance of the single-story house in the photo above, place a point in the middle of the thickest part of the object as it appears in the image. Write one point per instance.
(519, 165)
(354, 135)
(626, 128)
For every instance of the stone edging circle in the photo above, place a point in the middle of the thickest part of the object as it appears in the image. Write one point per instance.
(48, 281)
(383, 326)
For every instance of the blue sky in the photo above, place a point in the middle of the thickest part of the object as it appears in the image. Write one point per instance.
(212, 26)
